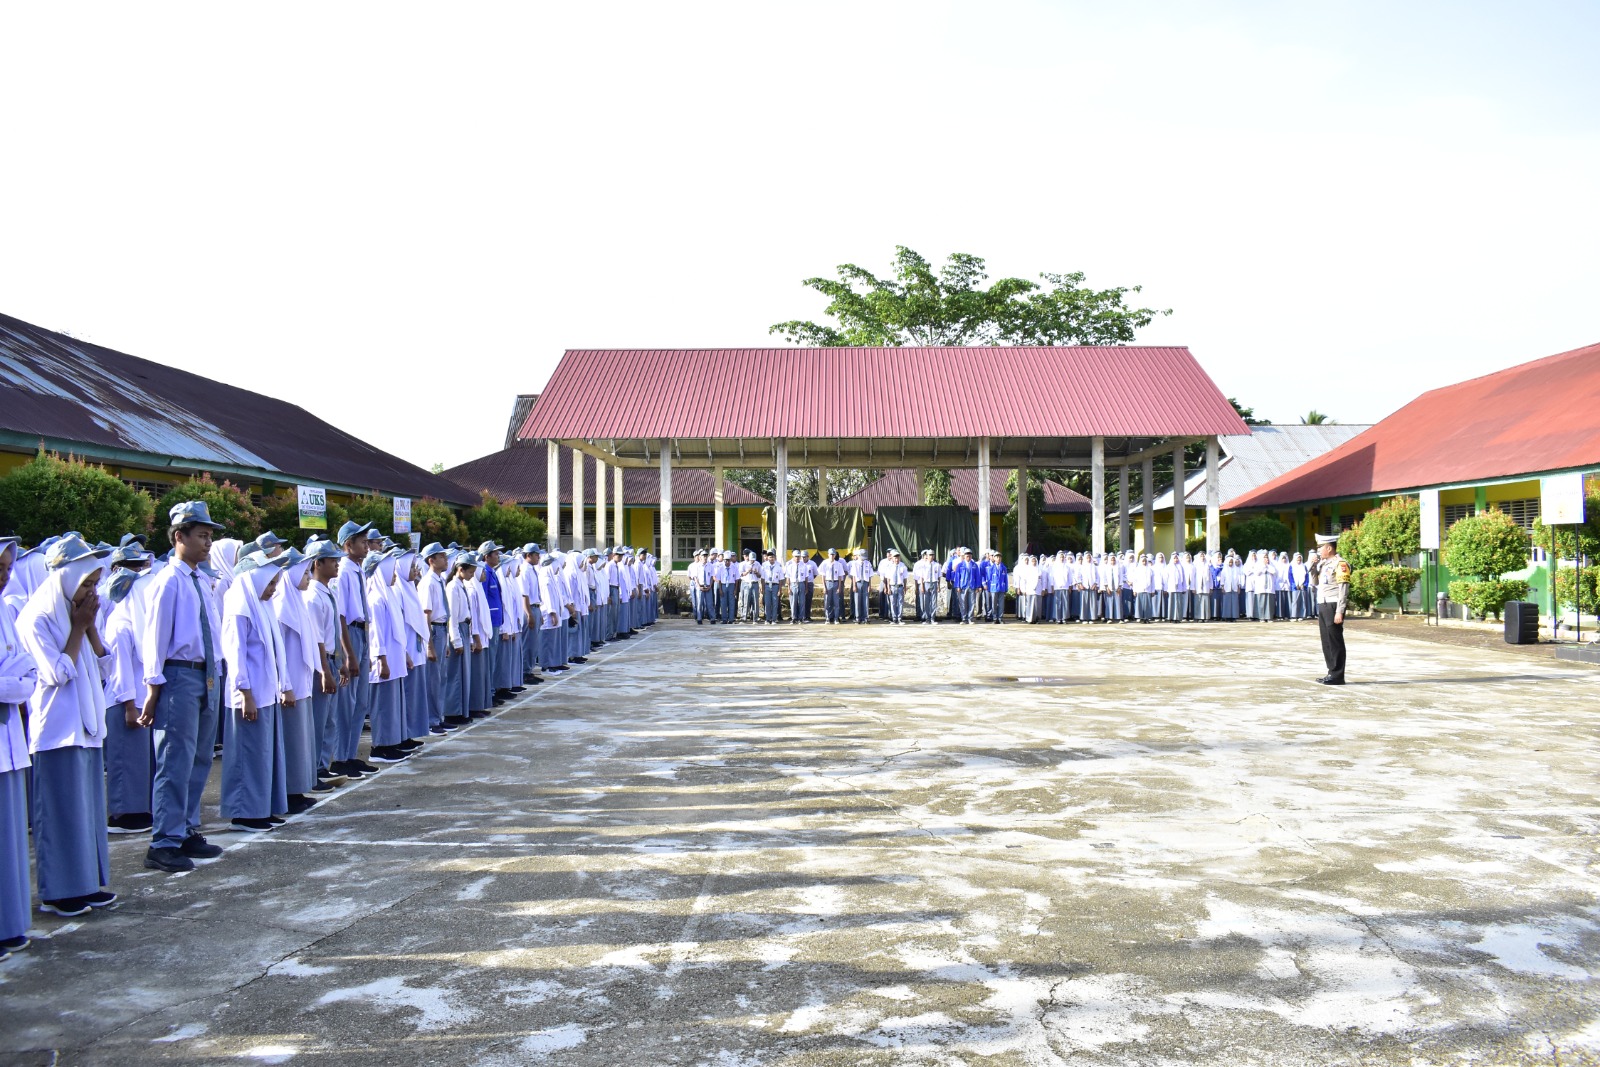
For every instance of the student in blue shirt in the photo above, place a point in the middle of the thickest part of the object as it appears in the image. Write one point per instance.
(996, 581)
(964, 580)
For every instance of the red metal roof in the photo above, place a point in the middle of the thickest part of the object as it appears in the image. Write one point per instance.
(519, 474)
(898, 488)
(879, 393)
(1538, 416)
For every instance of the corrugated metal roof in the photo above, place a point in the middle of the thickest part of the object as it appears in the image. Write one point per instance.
(519, 474)
(1535, 417)
(1256, 459)
(878, 393)
(898, 488)
(61, 388)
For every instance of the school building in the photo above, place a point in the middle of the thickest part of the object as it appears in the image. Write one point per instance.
(1063, 508)
(155, 426)
(1481, 443)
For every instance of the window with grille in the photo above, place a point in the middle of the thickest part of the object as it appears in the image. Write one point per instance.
(1454, 513)
(566, 525)
(1523, 512)
(690, 530)
(1345, 522)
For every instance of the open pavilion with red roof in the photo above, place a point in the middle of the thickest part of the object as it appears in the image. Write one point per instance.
(977, 408)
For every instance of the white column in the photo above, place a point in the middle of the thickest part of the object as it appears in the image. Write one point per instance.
(1022, 510)
(1213, 497)
(1150, 506)
(600, 540)
(822, 487)
(780, 536)
(1179, 519)
(552, 493)
(577, 500)
(619, 524)
(718, 516)
(1097, 480)
(666, 506)
(1122, 508)
(983, 497)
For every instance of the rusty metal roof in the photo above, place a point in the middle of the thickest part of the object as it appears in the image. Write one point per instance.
(1525, 420)
(898, 488)
(749, 394)
(71, 393)
(519, 474)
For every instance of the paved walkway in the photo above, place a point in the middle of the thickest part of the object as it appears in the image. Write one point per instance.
(842, 845)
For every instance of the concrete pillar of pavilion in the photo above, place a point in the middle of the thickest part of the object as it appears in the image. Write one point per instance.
(552, 494)
(1180, 533)
(600, 503)
(1123, 544)
(577, 500)
(983, 497)
(1022, 510)
(619, 524)
(1214, 497)
(1097, 480)
(1149, 506)
(822, 487)
(666, 507)
(719, 517)
(780, 536)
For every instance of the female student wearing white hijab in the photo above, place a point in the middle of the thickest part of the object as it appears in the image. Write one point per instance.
(464, 641)
(129, 748)
(414, 686)
(386, 629)
(18, 679)
(67, 730)
(302, 653)
(254, 774)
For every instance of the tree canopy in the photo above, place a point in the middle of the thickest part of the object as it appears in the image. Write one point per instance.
(919, 305)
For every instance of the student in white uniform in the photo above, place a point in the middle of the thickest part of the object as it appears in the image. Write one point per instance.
(130, 757)
(750, 589)
(925, 574)
(18, 680)
(254, 768)
(301, 652)
(832, 573)
(771, 585)
(182, 668)
(322, 608)
(892, 576)
(799, 572)
(390, 660)
(860, 570)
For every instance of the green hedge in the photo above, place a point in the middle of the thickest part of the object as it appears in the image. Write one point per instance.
(1487, 598)
(49, 495)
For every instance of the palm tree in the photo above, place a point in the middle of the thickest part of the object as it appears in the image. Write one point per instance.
(1316, 418)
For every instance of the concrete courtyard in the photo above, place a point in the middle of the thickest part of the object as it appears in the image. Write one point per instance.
(914, 845)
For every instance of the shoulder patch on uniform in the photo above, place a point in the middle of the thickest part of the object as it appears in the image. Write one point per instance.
(1343, 571)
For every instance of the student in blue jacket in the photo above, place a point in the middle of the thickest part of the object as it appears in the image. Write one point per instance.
(964, 580)
(996, 581)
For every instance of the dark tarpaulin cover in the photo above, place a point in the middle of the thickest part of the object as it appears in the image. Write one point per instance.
(912, 529)
(817, 528)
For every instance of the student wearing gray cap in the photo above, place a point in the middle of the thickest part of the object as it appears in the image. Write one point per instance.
(355, 701)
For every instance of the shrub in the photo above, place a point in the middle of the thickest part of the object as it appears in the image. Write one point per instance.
(503, 523)
(1572, 539)
(1261, 531)
(1385, 582)
(1195, 545)
(49, 495)
(1488, 597)
(1567, 587)
(378, 510)
(227, 503)
(1391, 532)
(435, 521)
(1486, 546)
(1363, 589)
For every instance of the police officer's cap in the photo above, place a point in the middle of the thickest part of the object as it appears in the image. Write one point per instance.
(1327, 539)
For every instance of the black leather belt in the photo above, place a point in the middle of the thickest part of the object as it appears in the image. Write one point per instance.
(193, 665)
(359, 625)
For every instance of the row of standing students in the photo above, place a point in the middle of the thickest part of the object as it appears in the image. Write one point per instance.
(121, 671)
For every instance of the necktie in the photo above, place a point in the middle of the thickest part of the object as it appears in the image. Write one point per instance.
(205, 633)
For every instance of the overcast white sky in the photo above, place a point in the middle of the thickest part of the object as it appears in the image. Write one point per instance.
(399, 215)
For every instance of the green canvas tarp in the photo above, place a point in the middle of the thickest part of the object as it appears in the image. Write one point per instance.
(912, 529)
(817, 528)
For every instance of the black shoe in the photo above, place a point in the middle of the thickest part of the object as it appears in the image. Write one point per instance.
(439, 729)
(67, 908)
(128, 824)
(499, 701)
(389, 754)
(563, 667)
(253, 826)
(535, 680)
(502, 694)
(410, 744)
(276, 820)
(580, 659)
(103, 899)
(171, 860)
(324, 785)
(457, 720)
(364, 767)
(518, 689)
(1331, 681)
(481, 713)
(14, 944)
(299, 804)
(348, 770)
(197, 847)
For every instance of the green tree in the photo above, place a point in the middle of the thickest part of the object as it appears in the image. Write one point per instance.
(49, 495)
(1248, 414)
(1036, 523)
(939, 493)
(921, 306)
(433, 521)
(1258, 532)
(283, 518)
(504, 523)
(1316, 418)
(1486, 546)
(1584, 537)
(1393, 530)
(227, 503)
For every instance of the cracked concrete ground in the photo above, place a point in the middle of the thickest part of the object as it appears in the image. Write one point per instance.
(876, 845)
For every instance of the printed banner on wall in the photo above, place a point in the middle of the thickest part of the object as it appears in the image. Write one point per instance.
(313, 507)
(402, 514)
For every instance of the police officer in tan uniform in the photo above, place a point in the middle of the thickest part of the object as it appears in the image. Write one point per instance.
(1333, 594)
